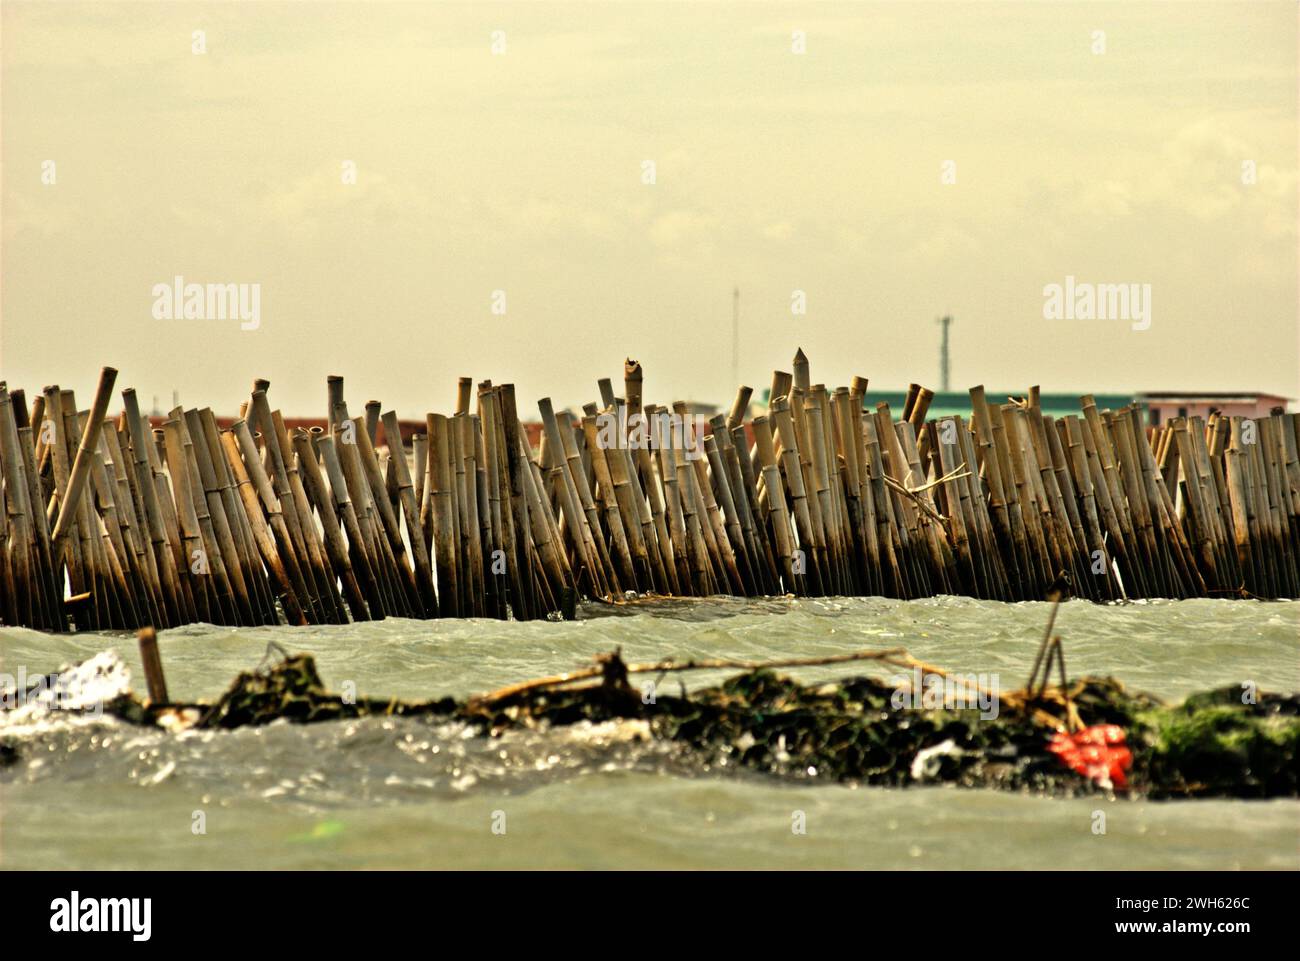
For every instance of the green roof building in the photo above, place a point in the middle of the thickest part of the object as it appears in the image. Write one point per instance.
(947, 403)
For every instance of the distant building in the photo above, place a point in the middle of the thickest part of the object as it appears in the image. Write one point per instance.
(957, 402)
(948, 403)
(1163, 406)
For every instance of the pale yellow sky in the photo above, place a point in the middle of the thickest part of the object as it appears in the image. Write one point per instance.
(522, 171)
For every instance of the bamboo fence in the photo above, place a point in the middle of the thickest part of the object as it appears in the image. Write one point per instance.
(107, 523)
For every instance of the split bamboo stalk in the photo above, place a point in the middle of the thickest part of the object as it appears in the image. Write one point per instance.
(313, 479)
(515, 462)
(232, 442)
(324, 577)
(554, 573)
(778, 517)
(198, 561)
(499, 546)
(587, 502)
(794, 480)
(208, 489)
(21, 535)
(261, 593)
(662, 440)
(720, 548)
(749, 480)
(363, 560)
(468, 426)
(420, 458)
(575, 519)
(49, 586)
(610, 438)
(258, 495)
(892, 578)
(167, 502)
(387, 527)
(444, 535)
(626, 573)
(282, 510)
(114, 495)
(411, 513)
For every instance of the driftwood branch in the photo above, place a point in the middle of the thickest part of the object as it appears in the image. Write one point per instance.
(610, 668)
(891, 655)
(915, 492)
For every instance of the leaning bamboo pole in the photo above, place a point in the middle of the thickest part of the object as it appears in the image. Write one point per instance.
(263, 538)
(410, 513)
(81, 466)
(313, 479)
(360, 556)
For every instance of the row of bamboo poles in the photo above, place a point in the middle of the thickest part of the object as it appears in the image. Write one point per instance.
(111, 523)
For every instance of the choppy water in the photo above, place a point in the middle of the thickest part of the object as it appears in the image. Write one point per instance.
(408, 793)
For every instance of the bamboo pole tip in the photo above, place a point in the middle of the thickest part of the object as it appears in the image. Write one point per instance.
(153, 669)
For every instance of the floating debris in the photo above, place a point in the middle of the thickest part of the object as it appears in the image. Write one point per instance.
(1060, 741)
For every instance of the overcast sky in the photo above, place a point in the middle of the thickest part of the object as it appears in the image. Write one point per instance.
(1114, 158)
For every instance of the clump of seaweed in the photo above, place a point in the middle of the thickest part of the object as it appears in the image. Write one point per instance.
(1213, 744)
(1224, 742)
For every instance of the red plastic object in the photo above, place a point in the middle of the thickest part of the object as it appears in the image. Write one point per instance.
(1098, 753)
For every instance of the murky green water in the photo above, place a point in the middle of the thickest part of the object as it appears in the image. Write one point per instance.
(394, 793)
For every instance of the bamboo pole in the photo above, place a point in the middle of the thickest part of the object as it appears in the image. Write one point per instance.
(164, 558)
(85, 451)
(444, 535)
(258, 496)
(232, 442)
(21, 535)
(313, 479)
(567, 494)
(411, 513)
(261, 594)
(362, 559)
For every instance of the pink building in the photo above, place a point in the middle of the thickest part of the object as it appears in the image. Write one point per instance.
(1163, 406)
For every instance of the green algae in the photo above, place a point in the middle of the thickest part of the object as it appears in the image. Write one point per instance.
(1214, 744)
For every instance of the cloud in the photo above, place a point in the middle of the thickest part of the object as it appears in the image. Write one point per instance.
(322, 198)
